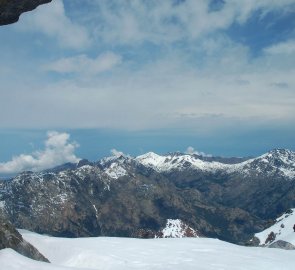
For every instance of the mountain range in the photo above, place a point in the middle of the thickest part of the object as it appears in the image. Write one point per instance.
(226, 198)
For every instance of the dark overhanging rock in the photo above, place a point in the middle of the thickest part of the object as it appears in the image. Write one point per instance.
(11, 238)
(10, 10)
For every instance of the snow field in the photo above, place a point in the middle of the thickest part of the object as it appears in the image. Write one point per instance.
(105, 253)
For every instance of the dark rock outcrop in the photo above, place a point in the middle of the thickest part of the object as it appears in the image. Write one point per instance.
(282, 245)
(11, 238)
(253, 242)
(10, 10)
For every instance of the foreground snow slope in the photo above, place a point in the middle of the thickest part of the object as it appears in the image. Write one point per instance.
(11, 260)
(125, 253)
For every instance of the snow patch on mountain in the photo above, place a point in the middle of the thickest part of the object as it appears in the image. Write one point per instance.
(278, 162)
(62, 198)
(281, 230)
(175, 228)
(115, 171)
(116, 166)
(151, 159)
(83, 171)
(2, 204)
(96, 212)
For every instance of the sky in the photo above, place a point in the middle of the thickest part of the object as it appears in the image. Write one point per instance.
(217, 76)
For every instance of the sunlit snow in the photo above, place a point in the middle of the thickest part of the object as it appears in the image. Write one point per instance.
(115, 171)
(105, 253)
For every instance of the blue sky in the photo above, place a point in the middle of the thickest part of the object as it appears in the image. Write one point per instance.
(143, 76)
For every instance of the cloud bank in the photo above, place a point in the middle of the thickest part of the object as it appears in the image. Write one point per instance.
(147, 65)
(58, 150)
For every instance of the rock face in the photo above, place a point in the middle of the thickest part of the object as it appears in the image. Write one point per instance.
(10, 10)
(124, 196)
(11, 238)
(282, 245)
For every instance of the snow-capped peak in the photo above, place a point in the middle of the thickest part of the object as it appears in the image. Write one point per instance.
(279, 157)
(109, 160)
(178, 162)
(151, 159)
(276, 162)
(115, 166)
(115, 171)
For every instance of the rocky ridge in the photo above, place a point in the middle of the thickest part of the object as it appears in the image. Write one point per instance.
(277, 163)
(11, 238)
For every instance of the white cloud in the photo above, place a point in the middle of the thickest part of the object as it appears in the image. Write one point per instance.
(245, 8)
(154, 21)
(287, 47)
(84, 64)
(165, 93)
(52, 21)
(191, 151)
(117, 153)
(131, 22)
(58, 150)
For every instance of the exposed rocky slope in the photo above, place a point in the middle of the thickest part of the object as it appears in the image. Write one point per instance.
(10, 10)
(125, 196)
(11, 238)
(281, 234)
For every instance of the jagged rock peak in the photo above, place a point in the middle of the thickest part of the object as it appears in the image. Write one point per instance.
(84, 162)
(283, 154)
